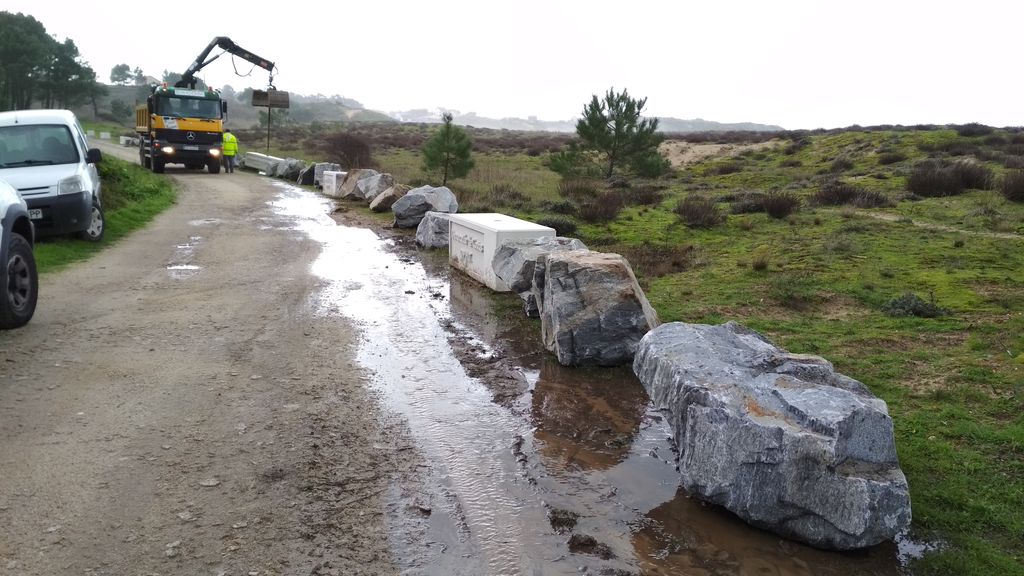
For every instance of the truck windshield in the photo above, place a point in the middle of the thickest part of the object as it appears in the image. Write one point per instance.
(188, 107)
(36, 145)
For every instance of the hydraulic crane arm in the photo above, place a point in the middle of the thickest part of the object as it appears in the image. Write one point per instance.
(188, 79)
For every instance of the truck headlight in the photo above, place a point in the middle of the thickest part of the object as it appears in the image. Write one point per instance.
(168, 149)
(70, 185)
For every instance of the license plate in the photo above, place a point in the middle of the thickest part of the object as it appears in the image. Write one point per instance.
(35, 214)
(190, 147)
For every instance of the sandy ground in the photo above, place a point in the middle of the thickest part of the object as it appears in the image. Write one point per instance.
(681, 153)
(193, 420)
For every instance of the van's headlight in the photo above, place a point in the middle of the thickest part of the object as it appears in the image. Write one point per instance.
(168, 149)
(70, 185)
(214, 152)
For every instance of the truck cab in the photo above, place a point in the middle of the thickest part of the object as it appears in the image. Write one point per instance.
(181, 126)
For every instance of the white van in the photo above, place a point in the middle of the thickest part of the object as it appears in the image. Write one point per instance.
(45, 156)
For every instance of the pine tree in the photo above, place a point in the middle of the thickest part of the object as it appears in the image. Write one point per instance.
(448, 151)
(614, 130)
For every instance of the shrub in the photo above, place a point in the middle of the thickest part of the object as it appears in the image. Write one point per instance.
(932, 178)
(558, 206)
(891, 157)
(747, 203)
(729, 167)
(1014, 162)
(563, 226)
(836, 193)
(994, 140)
(841, 164)
(577, 189)
(652, 261)
(837, 244)
(973, 129)
(795, 146)
(872, 199)
(790, 163)
(760, 258)
(796, 291)
(508, 195)
(973, 175)
(699, 212)
(911, 304)
(644, 195)
(348, 150)
(1012, 186)
(780, 204)
(603, 208)
(650, 165)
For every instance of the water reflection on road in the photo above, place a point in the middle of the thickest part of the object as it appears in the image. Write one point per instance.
(513, 437)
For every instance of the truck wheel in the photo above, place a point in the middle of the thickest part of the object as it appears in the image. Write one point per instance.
(213, 166)
(143, 160)
(94, 233)
(20, 283)
(158, 165)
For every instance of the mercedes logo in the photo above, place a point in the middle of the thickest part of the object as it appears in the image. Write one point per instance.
(191, 135)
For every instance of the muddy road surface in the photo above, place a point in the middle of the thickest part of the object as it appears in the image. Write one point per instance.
(263, 383)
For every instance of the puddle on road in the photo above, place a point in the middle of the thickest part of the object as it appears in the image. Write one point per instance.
(180, 266)
(514, 437)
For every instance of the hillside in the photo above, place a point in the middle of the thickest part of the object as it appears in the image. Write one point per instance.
(532, 124)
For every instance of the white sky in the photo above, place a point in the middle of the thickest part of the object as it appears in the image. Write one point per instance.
(795, 64)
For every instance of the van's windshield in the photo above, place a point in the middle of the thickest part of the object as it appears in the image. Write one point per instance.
(187, 107)
(36, 145)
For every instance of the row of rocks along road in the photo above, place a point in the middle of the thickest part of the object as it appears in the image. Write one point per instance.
(247, 387)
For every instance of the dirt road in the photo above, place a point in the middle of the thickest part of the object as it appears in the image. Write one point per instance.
(177, 407)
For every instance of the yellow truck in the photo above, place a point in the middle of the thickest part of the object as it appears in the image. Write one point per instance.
(183, 125)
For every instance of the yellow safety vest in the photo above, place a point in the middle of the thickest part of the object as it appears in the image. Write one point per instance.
(230, 144)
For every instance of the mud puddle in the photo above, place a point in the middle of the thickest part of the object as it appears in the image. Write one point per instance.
(534, 468)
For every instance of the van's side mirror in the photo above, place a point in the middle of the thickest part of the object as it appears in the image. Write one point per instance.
(93, 156)
(223, 106)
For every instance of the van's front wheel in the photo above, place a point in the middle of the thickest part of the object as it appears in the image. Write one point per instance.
(97, 224)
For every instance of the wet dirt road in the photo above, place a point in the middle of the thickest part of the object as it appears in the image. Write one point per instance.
(176, 407)
(248, 386)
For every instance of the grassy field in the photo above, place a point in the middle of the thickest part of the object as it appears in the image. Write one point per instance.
(820, 281)
(132, 196)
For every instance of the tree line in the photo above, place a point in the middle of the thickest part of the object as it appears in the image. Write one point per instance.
(37, 68)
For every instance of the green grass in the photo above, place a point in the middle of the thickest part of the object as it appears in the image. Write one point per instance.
(132, 196)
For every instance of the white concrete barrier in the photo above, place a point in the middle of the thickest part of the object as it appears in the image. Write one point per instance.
(260, 162)
(90, 132)
(104, 135)
(332, 180)
(475, 238)
(125, 141)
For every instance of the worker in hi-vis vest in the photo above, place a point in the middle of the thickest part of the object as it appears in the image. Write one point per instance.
(230, 149)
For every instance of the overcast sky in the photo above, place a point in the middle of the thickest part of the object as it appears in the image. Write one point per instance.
(795, 64)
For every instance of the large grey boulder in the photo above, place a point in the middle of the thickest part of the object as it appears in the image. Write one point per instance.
(371, 186)
(432, 231)
(383, 201)
(290, 168)
(320, 167)
(593, 311)
(781, 440)
(409, 209)
(520, 265)
(306, 176)
(349, 188)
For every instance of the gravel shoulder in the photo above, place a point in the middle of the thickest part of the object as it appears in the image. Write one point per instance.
(197, 420)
